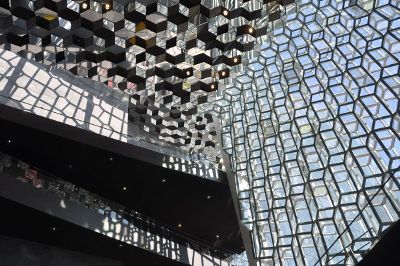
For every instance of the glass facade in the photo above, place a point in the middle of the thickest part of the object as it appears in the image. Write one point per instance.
(307, 94)
(312, 131)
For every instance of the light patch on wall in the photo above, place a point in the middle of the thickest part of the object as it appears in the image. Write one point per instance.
(62, 204)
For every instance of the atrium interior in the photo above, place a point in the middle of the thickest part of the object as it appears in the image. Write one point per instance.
(199, 132)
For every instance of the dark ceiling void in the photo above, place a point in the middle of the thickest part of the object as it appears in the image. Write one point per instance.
(202, 209)
(386, 251)
(19, 221)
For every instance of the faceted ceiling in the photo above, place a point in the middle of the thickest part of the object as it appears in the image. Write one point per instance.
(306, 92)
(171, 56)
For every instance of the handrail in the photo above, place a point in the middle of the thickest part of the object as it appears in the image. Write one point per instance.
(99, 203)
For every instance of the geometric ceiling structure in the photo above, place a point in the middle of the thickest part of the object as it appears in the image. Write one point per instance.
(171, 56)
(312, 131)
(304, 94)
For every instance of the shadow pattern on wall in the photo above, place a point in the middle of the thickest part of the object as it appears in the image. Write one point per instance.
(67, 201)
(61, 96)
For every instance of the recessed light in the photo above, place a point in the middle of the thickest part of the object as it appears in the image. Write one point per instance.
(217, 236)
(188, 73)
(163, 180)
(124, 188)
(84, 5)
(53, 229)
(107, 6)
(209, 197)
(69, 165)
(225, 12)
(179, 225)
(9, 141)
(251, 30)
(111, 159)
(223, 73)
(212, 86)
(235, 60)
(120, 245)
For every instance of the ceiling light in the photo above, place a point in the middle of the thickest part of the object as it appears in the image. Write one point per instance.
(107, 6)
(179, 225)
(251, 30)
(235, 60)
(9, 141)
(84, 5)
(111, 159)
(124, 188)
(53, 229)
(209, 197)
(188, 73)
(225, 12)
(212, 86)
(223, 73)
(163, 180)
(217, 236)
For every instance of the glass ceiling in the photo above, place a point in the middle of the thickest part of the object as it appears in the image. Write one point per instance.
(307, 94)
